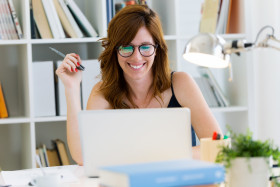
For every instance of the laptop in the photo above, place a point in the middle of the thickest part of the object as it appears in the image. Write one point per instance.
(127, 136)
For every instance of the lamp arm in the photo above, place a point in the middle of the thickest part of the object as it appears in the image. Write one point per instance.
(237, 46)
(265, 43)
(237, 51)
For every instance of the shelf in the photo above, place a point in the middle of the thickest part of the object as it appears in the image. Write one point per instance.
(170, 37)
(50, 119)
(233, 36)
(14, 120)
(66, 40)
(230, 109)
(13, 42)
(225, 36)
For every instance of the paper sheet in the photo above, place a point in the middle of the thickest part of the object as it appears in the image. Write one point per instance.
(23, 177)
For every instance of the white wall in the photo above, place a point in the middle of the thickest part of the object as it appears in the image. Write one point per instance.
(265, 70)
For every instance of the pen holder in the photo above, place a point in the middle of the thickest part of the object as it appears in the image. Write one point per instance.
(209, 148)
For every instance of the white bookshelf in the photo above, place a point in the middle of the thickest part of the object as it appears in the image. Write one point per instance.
(22, 131)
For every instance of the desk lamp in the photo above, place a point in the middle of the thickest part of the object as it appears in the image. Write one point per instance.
(213, 51)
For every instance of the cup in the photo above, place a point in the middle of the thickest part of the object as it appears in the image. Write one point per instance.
(48, 180)
(209, 148)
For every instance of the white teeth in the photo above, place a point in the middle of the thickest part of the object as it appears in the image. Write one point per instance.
(136, 67)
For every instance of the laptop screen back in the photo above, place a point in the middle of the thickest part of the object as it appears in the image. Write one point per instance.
(124, 136)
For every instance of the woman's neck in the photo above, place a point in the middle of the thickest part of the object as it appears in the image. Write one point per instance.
(141, 90)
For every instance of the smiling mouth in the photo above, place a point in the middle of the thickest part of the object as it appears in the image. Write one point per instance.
(136, 67)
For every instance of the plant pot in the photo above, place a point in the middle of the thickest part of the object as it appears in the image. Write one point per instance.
(246, 172)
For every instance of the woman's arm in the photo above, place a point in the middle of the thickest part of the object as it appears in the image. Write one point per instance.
(71, 78)
(189, 95)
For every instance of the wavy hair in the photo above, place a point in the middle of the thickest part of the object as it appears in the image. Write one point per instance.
(121, 30)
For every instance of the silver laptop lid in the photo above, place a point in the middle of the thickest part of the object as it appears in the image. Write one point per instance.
(114, 137)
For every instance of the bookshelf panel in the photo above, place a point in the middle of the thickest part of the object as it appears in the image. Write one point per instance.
(15, 146)
(41, 52)
(167, 12)
(95, 11)
(188, 15)
(171, 44)
(45, 132)
(13, 75)
(93, 50)
(238, 121)
(237, 89)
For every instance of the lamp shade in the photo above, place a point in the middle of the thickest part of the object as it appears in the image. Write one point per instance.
(206, 50)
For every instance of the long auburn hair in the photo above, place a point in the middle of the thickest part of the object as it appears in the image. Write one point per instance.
(122, 30)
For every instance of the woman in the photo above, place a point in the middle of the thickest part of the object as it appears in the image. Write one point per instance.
(135, 74)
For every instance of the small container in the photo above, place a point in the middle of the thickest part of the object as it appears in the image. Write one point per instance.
(209, 148)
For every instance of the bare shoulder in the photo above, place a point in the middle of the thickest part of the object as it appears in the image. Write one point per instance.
(182, 81)
(185, 88)
(96, 99)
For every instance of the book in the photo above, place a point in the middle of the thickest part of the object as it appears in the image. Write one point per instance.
(15, 19)
(89, 79)
(236, 15)
(32, 22)
(43, 87)
(4, 25)
(42, 157)
(41, 20)
(200, 84)
(223, 17)
(81, 18)
(68, 22)
(64, 20)
(207, 91)
(208, 22)
(6, 16)
(206, 72)
(3, 107)
(53, 19)
(12, 26)
(53, 157)
(63, 156)
(2, 28)
(162, 174)
(38, 154)
(44, 148)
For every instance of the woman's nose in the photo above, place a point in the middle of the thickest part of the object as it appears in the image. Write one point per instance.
(136, 54)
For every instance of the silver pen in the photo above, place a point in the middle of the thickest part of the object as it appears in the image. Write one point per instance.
(81, 67)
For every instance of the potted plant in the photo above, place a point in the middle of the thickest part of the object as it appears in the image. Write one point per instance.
(248, 162)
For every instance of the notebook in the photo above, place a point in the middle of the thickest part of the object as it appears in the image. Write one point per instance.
(128, 136)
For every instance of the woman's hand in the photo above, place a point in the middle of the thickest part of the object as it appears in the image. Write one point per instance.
(68, 72)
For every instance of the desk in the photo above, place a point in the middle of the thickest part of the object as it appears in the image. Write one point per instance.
(83, 180)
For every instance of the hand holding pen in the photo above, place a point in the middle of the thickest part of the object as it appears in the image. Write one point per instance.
(78, 65)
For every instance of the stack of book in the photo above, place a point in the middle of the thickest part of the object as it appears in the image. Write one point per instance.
(10, 28)
(210, 89)
(59, 19)
(53, 157)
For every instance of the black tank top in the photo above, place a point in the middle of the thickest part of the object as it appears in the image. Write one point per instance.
(174, 103)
